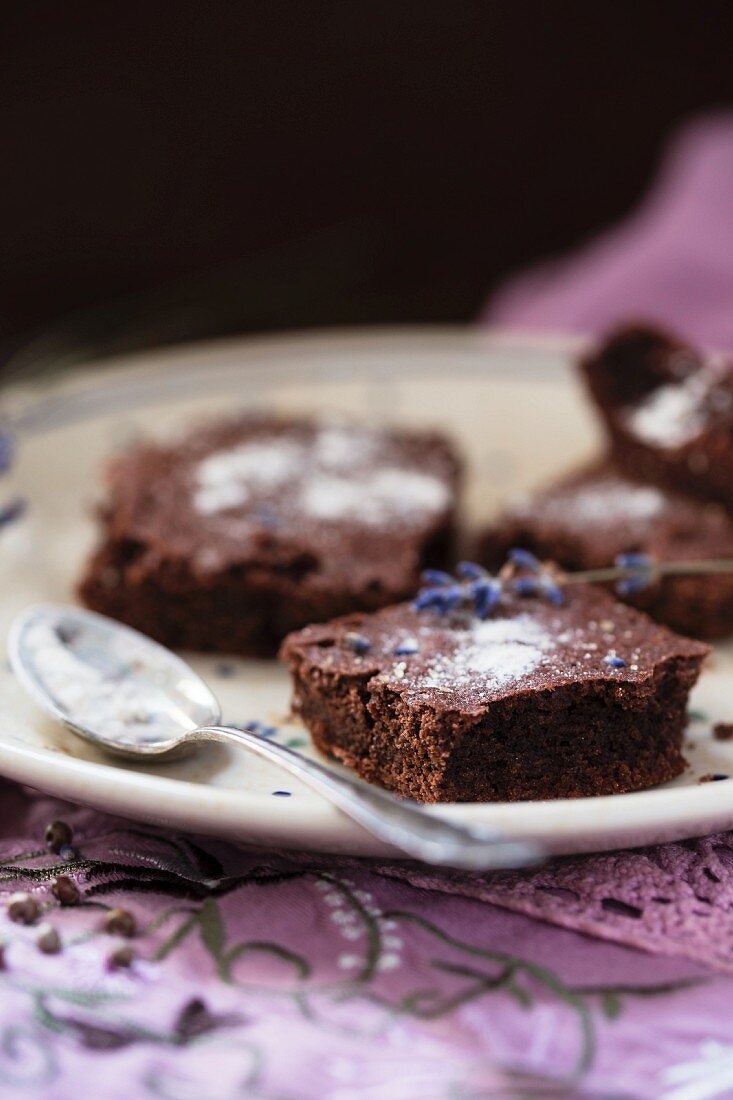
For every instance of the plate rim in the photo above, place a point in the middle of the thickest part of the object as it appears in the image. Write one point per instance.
(22, 397)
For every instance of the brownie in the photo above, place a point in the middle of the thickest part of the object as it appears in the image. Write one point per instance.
(245, 530)
(535, 702)
(586, 519)
(668, 410)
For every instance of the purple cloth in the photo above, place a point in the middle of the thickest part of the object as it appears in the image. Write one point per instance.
(671, 260)
(295, 977)
(276, 976)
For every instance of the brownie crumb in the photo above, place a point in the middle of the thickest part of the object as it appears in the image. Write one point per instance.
(57, 835)
(48, 940)
(723, 731)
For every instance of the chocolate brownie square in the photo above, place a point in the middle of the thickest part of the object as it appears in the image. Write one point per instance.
(668, 410)
(588, 518)
(535, 702)
(243, 531)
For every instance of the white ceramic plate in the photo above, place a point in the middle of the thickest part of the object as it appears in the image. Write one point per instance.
(516, 410)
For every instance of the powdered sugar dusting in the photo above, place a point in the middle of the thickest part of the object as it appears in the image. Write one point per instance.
(672, 415)
(224, 479)
(501, 651)
(339, 448)
(335, 476)
(603, 502)
(375, 496)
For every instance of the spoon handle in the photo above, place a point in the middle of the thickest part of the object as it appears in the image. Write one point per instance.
(404, 825)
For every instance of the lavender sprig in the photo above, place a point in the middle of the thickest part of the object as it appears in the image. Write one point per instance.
(472, 585)
(14, 508)
(6, 451)
(475, 588)
(634, 572)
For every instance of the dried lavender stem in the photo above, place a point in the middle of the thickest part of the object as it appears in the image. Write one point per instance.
(658, 569)
(475, 586)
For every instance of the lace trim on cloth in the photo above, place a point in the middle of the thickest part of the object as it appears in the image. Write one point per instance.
(673, 899)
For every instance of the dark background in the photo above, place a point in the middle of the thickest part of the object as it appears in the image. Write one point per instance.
(173, 169)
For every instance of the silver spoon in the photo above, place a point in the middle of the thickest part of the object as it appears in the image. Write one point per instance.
(130, 696)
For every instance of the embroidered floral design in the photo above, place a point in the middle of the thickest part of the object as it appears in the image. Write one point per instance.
(204, 978)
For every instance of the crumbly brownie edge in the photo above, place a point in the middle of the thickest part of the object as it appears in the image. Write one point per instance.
(572, 741)
(247, 611)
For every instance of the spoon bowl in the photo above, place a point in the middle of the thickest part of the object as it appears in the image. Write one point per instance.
(108, 683)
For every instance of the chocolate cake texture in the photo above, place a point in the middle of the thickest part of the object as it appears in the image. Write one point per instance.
(591, 516)
(535, 701)
(667, 409)
(245, 530)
